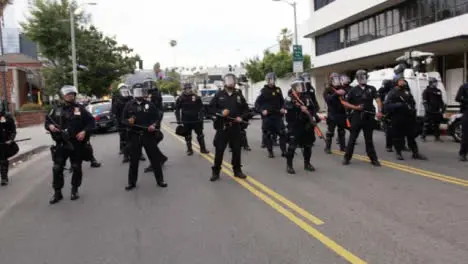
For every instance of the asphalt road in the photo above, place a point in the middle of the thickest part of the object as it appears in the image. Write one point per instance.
(404, 212)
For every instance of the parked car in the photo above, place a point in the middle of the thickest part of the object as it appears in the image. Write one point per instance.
(101, 111)
(168, 102)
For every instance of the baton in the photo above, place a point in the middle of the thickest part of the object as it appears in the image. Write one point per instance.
(233, 119)
(19, 140)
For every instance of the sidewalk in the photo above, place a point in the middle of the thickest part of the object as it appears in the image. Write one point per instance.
(40, 141)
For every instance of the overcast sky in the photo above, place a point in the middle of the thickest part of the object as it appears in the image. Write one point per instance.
(208, 32)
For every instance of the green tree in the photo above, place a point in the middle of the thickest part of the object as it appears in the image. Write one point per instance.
(101, 59)
(171, 83)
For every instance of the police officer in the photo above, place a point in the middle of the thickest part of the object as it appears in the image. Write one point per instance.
(7, 143)
(270, 104)
(70, 126)
(462, 98)
(300, 117)
(118, 103)
(387, 86)
(336, 117)
(435, 107)
(345, 81)
(360, 100)
(229, 107)
(400, 105)
(311, 91)
(155, 96)
(142, 119)
(244, 125)
(191, 107)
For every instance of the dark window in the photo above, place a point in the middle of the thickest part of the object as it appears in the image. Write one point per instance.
(321, 3)
(405, 16)
(327, 43)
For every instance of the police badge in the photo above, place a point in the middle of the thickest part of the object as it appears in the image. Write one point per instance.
(77, 111)
(193, 98)
(146, 106)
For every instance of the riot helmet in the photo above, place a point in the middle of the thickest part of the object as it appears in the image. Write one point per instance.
(344, 79)
(187, 88)
(124, 90)
(68, 92)
(139, 91)
(306, 77)
(270, 78)
(230, 80)
(334, 79)
(361, 77)
(298, 85)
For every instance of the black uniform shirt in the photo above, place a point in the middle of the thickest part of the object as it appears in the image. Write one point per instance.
(7, 128)
(462, 97)
(72, 118)
(363, 95)
(432, 100)
(191, 107)
(144, 112)
(234, 102)
(270, 99)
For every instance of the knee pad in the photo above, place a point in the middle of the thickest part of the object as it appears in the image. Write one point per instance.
(76, 167)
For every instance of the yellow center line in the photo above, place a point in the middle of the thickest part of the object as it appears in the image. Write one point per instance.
(350, 257)
(262, 187)
(413, 170)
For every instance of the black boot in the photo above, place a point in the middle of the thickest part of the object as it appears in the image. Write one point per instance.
(375, 163)
(4, 181)
(290, 170)
(345, 162)
(308, 166)
(239, 174)
(215, 175)
(74, 194)
(419, 156)
(463, 158)
(399, 156)
(247, 148)
(130, 187)
(271, 154)
(148, 169)
(162, 184)
(201, 142)
(328, 143)
(57, 197)
(188, 142)
(126, 159)
(389, 149)
(95, 163)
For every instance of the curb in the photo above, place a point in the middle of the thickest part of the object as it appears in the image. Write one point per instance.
(26, 155)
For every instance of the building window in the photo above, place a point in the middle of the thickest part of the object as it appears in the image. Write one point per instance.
(321, 3)
(327, 43)
(403, 17)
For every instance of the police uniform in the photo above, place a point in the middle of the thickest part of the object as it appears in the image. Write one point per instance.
(189, 112)
(336, 116)
(143, 115)
(118, 104)
(227, 129)
(387, 86)
(300, 127)
(8, 146)
(400, 106)
(462, 98)
(363, 95)
(271, 100)
(70, 118)
(154, 96)
(435, 107)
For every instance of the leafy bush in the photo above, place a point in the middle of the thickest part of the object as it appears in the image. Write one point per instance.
(31, 107)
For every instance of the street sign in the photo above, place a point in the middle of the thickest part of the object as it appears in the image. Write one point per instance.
(297, 53)
(298, 66)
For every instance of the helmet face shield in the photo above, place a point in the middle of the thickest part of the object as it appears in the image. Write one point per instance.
(362, 77)
(139, 93)
(298, 86)
(68, 89)
(125, 92)
(344, 79)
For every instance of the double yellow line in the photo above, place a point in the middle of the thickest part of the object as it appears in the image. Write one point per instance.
(261, 192)
(413, 170)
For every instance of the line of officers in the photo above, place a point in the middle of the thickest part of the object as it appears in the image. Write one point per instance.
(139, 113)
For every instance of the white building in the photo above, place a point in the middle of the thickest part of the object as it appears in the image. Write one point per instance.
(347, 35)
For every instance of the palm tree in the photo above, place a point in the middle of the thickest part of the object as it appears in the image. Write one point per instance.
(285, 40)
